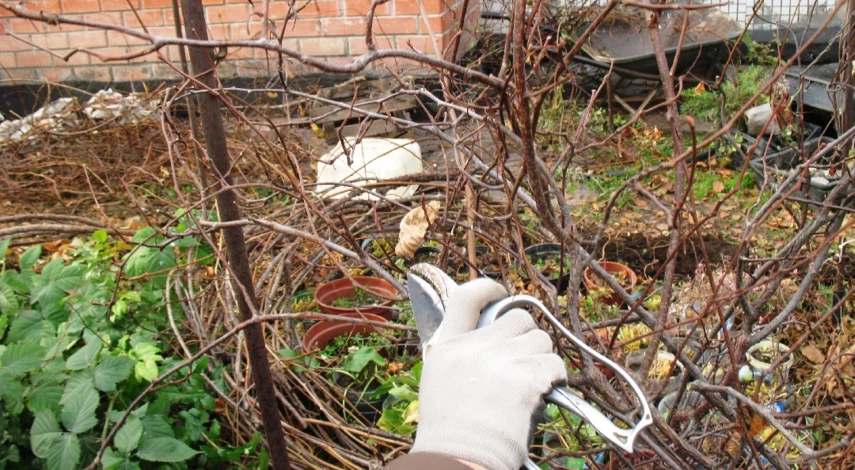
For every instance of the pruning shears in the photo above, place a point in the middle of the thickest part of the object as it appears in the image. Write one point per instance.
(430, 289)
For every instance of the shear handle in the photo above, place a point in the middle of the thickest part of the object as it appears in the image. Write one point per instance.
(561, 396)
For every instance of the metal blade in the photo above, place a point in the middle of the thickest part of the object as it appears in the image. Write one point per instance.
(428, 308)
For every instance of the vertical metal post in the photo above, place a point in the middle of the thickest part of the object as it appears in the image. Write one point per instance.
(202, 64)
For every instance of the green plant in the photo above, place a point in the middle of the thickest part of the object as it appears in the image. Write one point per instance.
(569, 433)
(79, 344)
(593, 309)
(706, 104)
(360, 297)
(759, 53)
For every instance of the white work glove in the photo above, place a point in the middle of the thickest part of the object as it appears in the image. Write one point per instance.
(480, 389)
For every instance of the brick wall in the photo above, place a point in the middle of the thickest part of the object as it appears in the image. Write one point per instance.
(332, 29)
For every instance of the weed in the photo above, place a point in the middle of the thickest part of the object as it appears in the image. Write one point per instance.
(80, 342)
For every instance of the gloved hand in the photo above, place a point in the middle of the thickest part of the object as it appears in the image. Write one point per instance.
(480, 388)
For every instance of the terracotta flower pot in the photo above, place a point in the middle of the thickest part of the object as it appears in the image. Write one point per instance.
(617, 270)
(323, 332)
(328, 293)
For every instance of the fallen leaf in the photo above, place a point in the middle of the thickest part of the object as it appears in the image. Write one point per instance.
(640, 202)
(662, 226)
(813, 354)
(700, 89)
(718, 187)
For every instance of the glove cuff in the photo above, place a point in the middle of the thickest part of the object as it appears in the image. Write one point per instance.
(427, 461)
(462, 442)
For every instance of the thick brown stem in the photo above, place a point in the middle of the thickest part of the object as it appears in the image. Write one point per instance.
(238, 262)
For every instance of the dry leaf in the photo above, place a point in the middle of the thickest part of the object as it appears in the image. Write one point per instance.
(813, 354)
(718, 187)
(317, 130)
(700, 89)
(640, 202)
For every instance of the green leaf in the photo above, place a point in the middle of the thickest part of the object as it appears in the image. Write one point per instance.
(45, 397)
(29, 258)
(10, 388)
(111, 459)
(22, 357)
(100, 236)
(145, 351)
(146, 370)
(64, 452)
(165, 449)
(31, 325)
(110, 371)
(357, 361)
(391, 420)
(144, 234)
(55, 281)
(78, 414)
(404, 392)
(8, 300)
(84, 357)
(156, 426)
(128, 437)
(76, 383)
(45, 429)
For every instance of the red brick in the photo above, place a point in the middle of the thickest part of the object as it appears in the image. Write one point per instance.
(161, 70)
(48, 6)
(227, 14)
(411, 7)
(158, 4)
(57, 74)
(238, 32)
(323, 47)
(112, 19)
(356, 46)
(119, 5)
(303, 28)
(238, 53)
(8, 43)
(22, 26)
(79, 58)
(131, 73)
(7, 60)
(321, 9)
(438, 24)
(421, 43)
(395, 25)
(360, 8)
(115, 38)
(21, 74)
(165, 31)
(80, 6)
(50, 40)
(34, 59)
(286, 43)
(88, 39)
(218, 31)
(93, 73)
(148, 18)
(343, 26)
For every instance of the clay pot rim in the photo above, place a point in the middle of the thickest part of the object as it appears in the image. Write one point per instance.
(374, 285)
(310, 344)
(611, 267)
